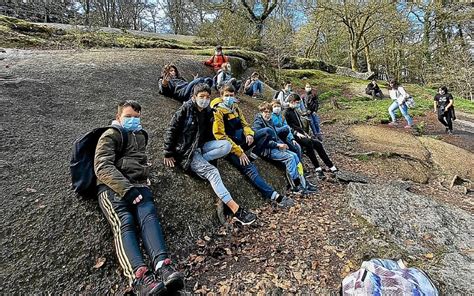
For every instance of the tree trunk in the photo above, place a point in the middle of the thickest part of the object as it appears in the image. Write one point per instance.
(367, 55)
(354, 57)
(88, 9)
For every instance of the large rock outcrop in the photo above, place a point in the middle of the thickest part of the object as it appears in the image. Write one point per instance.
(293, 62)
(419, 225)
(62, 95)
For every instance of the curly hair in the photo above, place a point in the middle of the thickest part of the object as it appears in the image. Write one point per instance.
(167, 68)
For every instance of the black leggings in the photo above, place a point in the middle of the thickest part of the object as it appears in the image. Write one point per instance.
(309, 145)
(446, 118)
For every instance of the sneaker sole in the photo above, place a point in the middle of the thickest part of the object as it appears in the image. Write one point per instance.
(159, 290)
(242, 222)
(174, 284)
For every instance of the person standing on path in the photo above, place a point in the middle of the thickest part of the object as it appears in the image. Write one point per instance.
(398, 95)
(443, 106)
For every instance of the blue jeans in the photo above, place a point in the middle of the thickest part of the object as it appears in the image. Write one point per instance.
(252, 173)
(314, 123)
(126, 220)
(283, 133)
(260, 140)
(200, 165)
(185, 94)
(288, 158)
(403, 109)
(255, 87)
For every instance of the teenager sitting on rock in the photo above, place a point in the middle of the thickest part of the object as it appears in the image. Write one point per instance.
(224, 76)
(374, 90)
(311, 106)
(217, 59)
(308, 143)
(443, 106)
(172, 85)
(278, 150)
(189, 141)
(283, 129)
(230, 124)
(127, 202)
(253, 86)
(283, 95)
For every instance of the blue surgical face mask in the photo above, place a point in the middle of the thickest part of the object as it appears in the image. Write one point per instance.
(131, 124)
(229, 101)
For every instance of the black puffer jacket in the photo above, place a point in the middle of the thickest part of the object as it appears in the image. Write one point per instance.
(183, 135)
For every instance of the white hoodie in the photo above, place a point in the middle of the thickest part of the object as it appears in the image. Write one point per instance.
(398, 94)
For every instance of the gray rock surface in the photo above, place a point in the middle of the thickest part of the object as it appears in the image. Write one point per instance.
(420, 224)
(50, 240)
(348, 177)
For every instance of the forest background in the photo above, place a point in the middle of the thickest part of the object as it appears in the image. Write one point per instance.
(425, 42)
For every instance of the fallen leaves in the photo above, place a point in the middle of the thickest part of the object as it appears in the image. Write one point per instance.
(99, 262)
(429, 256)
(307, 249)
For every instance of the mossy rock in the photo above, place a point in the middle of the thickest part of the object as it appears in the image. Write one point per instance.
(386, 140)
(450, 159)
(306, 63)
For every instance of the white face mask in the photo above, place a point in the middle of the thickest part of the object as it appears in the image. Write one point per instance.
(202, 103)
(267, 116)
(293, 105)
(307, 89)
(276, 110)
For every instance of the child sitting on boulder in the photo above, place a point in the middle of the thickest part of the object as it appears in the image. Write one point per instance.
(311, 104)
(127, 202)
(172, 85)
(230, 124)
(253, 86)
(283, 95)
(224, 76)
(189, 141)
(217, 59)
(283, 128)
(308, 143)
(277, 150)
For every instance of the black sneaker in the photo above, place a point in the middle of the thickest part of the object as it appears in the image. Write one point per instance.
(146, 284)
(450, 132)
(244, 217)
(320, 175)
(173, 280)
(283, 201)
(297, 190)
(310, 188)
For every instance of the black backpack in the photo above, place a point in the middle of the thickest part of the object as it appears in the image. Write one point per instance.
(84, 180)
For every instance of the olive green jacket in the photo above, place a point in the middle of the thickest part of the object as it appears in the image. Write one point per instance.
(129, 170)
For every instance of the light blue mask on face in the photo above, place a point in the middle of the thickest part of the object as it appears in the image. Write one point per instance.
(131, 124)
(229, 101)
